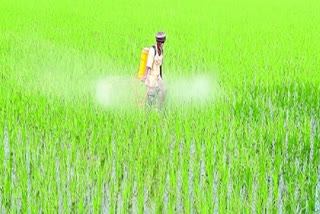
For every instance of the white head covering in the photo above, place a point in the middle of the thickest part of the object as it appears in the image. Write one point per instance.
(160, 37)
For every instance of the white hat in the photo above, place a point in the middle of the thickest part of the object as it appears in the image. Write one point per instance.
(161, 37)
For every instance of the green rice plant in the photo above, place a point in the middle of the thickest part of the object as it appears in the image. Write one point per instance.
(239, 131)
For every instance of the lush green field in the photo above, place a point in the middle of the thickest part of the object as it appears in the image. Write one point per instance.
(252, 146)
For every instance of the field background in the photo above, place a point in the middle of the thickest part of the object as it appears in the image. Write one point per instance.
(251, 147)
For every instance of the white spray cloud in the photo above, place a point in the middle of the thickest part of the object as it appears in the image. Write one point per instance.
(103, 91)
(115, 91)
(194, 89)
(118, 91)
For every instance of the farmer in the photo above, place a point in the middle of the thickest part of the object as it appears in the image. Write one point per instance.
(153, 74)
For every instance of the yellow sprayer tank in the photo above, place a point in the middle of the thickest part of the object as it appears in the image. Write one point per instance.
(143, 62)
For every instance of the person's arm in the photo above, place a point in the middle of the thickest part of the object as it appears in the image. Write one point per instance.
(147, 71)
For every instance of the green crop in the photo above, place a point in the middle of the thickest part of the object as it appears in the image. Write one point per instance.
(252, 146)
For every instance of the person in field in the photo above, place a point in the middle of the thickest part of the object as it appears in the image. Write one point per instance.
(153, 74)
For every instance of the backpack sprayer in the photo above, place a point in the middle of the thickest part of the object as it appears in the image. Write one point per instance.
(140, 74)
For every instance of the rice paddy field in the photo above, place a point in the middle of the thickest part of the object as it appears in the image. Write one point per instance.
(239, 131)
